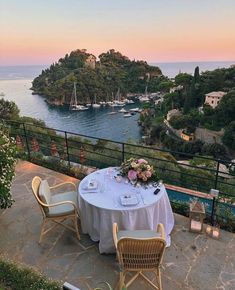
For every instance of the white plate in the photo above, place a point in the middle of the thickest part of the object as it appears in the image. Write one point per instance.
(90, 185)
(129, 199)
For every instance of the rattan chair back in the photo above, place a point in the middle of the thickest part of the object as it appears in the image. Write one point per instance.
(140, 254)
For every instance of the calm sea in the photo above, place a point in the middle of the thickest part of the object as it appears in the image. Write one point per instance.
(15, 83)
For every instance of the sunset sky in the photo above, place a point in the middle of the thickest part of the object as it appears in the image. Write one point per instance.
(42, 31)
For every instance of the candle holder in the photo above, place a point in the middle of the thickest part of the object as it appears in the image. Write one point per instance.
(196, 216)
(213, 231)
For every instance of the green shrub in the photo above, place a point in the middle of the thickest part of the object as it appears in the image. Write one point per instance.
(15, 277)
(7, 167)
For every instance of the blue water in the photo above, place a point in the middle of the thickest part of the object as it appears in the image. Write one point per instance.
(171, 69)
(15, 83)
(184, 197)
(93, 122)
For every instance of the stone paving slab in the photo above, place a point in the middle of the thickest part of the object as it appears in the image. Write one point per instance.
(192, 262)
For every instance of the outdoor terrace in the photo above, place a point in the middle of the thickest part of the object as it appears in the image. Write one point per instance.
(191, 262)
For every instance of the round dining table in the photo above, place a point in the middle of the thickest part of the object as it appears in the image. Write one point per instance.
(106, 198)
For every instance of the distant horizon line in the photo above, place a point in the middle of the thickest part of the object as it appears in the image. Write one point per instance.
(149, 62)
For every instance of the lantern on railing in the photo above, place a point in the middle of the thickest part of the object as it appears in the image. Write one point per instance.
(35, 145)
(19, 143)
(54, 151)
(196, 216)
(82, 155)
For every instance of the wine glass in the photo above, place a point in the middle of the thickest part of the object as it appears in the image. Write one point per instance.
(133, 181)
(109, 172)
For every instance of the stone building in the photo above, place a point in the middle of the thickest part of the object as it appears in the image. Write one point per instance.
(90, 61)
(214, 98)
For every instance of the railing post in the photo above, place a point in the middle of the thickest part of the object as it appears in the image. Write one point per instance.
(123, 152)
(26, 140)
(217, 174)
(213, 212)
(67, 148)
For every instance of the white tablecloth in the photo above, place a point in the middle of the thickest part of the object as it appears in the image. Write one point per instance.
(101, 207)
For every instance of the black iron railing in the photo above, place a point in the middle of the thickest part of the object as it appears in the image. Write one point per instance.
(75, 154)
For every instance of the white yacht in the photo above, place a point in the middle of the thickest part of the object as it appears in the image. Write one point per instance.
(134, 110)
(127, 115)
(144, 99)
(122, 110)
(128, 101)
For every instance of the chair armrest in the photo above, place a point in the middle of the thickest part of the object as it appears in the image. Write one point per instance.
(115, 230)
(161, 230)
(63, 183)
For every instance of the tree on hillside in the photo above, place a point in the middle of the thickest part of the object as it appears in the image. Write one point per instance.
(183, 79)
(229, 135)
(8, 110)
(225, 111)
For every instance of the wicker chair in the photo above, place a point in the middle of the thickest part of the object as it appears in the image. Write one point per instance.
(56, 208)
(139, 251)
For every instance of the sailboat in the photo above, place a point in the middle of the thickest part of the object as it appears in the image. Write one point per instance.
(95, 105)
(144, 98)
(118, 102)
(74, 102)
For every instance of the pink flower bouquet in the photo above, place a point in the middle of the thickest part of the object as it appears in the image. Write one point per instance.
(137, 170)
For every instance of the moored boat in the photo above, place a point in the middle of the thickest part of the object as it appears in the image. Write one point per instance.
(74, 106)
(127, 115)
(122, 111)
(134, 110)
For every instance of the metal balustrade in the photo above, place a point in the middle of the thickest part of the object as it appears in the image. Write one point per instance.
(74, 153)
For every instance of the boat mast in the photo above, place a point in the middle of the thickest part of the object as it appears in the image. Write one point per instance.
(146, 91)
(75, 94)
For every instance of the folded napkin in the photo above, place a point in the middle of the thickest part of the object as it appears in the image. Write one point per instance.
(90, 185)
(129, 199)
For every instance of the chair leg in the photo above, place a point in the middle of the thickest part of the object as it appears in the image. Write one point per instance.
(76, 227)
(42, 230)
(121, 280)
(159, 278)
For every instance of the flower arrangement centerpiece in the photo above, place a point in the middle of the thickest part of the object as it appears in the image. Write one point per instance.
(137, 170)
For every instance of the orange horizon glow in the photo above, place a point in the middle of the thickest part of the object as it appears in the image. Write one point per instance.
(41, 33)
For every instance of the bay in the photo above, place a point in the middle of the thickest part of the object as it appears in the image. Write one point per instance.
(93, 122)
(15, 83)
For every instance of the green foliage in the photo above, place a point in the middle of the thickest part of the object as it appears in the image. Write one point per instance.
(180, 207)
(215, 149)
(229, 135)
(15, 277)
(113, 71)
(204, 162)
(165, 86)
(7, 167)
(183, 79)
(179, 122)
(8, 110)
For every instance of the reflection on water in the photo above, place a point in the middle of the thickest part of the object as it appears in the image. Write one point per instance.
(93, 122)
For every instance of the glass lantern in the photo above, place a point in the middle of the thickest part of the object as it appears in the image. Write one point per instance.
(196, 216)
(213, 231)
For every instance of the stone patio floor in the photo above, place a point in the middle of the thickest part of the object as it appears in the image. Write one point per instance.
(191, 262)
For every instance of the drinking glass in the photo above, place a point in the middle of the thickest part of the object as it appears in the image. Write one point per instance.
(133, 181)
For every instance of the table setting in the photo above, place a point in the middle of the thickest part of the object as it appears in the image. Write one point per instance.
(131, 199)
